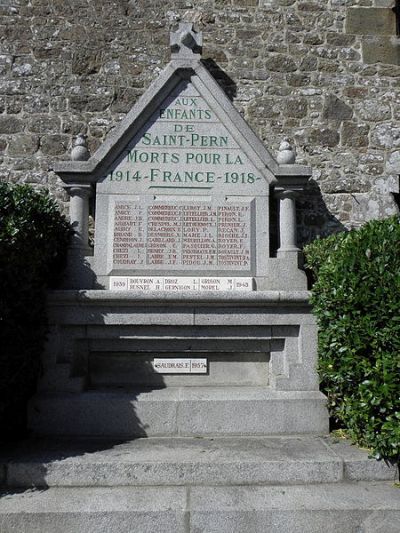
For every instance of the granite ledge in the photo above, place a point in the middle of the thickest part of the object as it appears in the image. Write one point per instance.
(225, 298)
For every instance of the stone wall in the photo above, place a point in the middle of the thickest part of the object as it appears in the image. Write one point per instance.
(324, 73)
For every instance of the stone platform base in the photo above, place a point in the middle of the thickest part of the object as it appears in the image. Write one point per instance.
(344, 508)
(185, 485)
(180, 411)
(99, 378)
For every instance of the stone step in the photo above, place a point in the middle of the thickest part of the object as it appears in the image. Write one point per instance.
(58, 378)
(179, 411)
(329, 508)
(189, 461)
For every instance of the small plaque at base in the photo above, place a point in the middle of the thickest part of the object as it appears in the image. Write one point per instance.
(180, 365)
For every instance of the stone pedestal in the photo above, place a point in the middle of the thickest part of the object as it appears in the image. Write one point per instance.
(108, 341)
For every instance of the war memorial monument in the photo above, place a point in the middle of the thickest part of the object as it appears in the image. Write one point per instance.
(182, 326)
(182, 297)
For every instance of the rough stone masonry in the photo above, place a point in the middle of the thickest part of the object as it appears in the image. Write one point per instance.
(324, 73)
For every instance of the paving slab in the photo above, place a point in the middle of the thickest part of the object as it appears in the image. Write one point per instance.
(177, 461)
(188, 461)
(179, 411)
(357, 463)
(100, 510)
(329, 508)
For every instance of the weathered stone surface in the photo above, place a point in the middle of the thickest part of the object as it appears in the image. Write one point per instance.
(345, 184)
(315, 508)
(10, 124)
(335, 109)
(370, 21)
(245, 2)
(44, 124)
(309, 63)
(54, 144)
(355, 135)
(281, 63)
(373, 508)
(340, 39)
(86, 62)
(23, 145)
(393, 163)
(324, 137)
(296, 107)
(381, 50)
(99, 510)
(373, 111)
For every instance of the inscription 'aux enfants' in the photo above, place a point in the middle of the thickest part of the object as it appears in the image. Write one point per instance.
(178, 149)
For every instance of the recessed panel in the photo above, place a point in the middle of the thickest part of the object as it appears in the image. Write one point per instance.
(130, 369)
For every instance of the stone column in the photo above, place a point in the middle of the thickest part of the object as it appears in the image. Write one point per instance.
(78, 273)
(287, 221)
(79, 215)
(285, 192)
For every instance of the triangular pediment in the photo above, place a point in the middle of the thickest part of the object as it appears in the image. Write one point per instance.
(184, 111)
(185, 135)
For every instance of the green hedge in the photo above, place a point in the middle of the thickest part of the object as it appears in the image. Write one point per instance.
(356, 299)
(33, 242)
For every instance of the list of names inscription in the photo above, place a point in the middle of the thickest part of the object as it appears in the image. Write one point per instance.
(185, 236)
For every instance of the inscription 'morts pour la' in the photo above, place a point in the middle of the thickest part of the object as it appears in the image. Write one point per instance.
(208, 158)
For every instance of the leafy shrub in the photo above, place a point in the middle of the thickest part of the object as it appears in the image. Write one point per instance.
(356, 299)
(33, 242)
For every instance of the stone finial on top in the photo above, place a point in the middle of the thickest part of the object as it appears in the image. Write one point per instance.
(186, 43)
(80, 150)
(286, 154)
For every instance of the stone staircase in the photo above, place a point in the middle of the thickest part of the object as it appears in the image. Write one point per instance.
(296, 484)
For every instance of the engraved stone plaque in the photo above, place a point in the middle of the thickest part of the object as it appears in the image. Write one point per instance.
(182, 199)
(181, 236)
(180, 365)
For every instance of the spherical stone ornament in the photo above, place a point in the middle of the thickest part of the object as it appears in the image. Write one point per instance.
(286, 154)
(80, 150)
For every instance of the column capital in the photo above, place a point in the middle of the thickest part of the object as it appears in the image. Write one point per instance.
(79, 189)
(283, 192)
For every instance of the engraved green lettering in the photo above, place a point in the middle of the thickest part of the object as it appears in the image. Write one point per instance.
(146, 139)
(154, 173)
(233, 160)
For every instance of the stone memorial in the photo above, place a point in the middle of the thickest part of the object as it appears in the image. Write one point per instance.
(182, 320)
